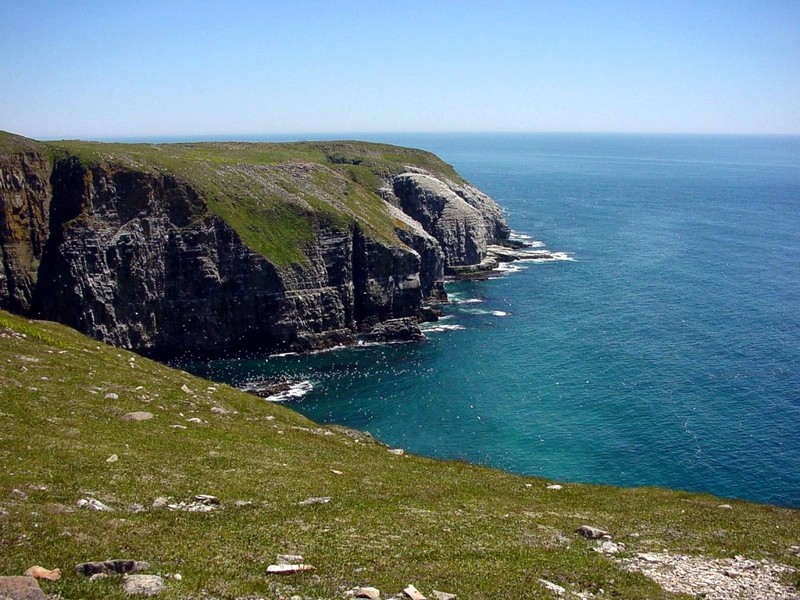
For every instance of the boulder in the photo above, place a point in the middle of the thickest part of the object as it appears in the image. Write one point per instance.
(20, 588)
(592, 533)
(138, 416)
(116, 566)
(142, 585)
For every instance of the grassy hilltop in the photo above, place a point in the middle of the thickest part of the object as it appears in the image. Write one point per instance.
(391, 520)
(269, 193)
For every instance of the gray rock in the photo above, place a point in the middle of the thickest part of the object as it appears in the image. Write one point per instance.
(111, 567)
(20, 588)
(592, 533)
(405, 330)
(366, 592)
(142, 585)
(94, 504)
(553, 587)
(207, 499)
(443, 595)
(112, 396)
(314, 500)
(160, 502)
(138, 416)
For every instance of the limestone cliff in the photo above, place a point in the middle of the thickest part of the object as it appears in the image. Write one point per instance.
(218, 248)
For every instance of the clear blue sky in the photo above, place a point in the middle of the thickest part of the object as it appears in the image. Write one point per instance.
(113, 68)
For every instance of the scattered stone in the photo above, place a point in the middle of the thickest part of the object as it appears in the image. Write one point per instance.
(112, 396)
(138, 416)
(207, 499)
(177, 577)
(366, 592)
(528, 485)
(19, 587)
(289, 559)
(142, 585)
(187, 390)
(111, 567)
(555, 588)
(592, 533)
(726, 506)
(178, 427)
(160, 502)
(193, 506)
(413, 593)
(795, 550)
(242, 503)
(197, 420)
(320, 500)
(555, 486)
(19, 494)
(714, 579)
(112, 459)
(609, 547)
(218, 410)
(443, 595)
(93, 504)
(289, 569)
(397, 451)
(38, 572)
(335, 472)
(98, 577)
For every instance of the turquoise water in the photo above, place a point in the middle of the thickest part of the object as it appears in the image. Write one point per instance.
(664, 353)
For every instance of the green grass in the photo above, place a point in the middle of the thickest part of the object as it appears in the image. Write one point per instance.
(275, 196)
(392, 520)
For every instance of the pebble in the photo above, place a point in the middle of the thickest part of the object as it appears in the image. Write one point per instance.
(112, 459)
(138, 416)
(553, 587)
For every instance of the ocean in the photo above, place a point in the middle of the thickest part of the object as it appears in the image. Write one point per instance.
(661, 349)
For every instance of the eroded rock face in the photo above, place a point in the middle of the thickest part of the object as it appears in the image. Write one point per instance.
(137, 259)
(463, 220)
(24, 207)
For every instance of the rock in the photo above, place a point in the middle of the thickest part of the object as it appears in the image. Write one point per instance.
(218, 410)
(794, 550)
(98, 577)
(592, 533)
(111, 567)
(725, 506)
(112, 459)
(138, 416)
(289, 569)
(336, 472)
(397, 451)
(555, 588)
(443, 595)
(313, 500)
(396, 330)
(366, 592)
(112, 396)
(142, 585)
(206, 499)
(197, 420)
(160, 502)
(609, 547)
(38, 572)
(186, 390)
(20, 588)
(93, 504)
(555, 486)
(19, 494)
(289, 559)
(413, 593)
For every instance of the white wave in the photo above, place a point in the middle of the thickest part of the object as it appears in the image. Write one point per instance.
(454, 299)
(499, 313)
(283, 354)
(295, 391)
(510, 267)
(439, 328)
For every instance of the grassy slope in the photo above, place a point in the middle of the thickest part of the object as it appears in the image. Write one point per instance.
(392, 520)
(270, 193)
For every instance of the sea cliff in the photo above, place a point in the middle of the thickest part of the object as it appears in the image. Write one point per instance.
(216, 248)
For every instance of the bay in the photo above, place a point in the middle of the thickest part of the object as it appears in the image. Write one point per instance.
(663, 352)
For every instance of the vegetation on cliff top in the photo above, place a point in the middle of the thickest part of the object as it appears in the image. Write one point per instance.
(274, 195)
(391, 520)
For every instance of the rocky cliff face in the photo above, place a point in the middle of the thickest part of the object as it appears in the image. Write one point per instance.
(135, 256)
(463, 220)
(24, 207)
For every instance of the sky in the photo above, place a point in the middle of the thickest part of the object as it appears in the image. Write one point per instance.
(113, 69)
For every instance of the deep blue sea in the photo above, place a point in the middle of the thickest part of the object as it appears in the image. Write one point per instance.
(665, 352)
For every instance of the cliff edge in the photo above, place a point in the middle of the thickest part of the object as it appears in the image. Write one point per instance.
(213, 248)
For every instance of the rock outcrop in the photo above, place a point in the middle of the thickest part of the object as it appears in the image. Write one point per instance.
(148, 257)
(24, 207)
